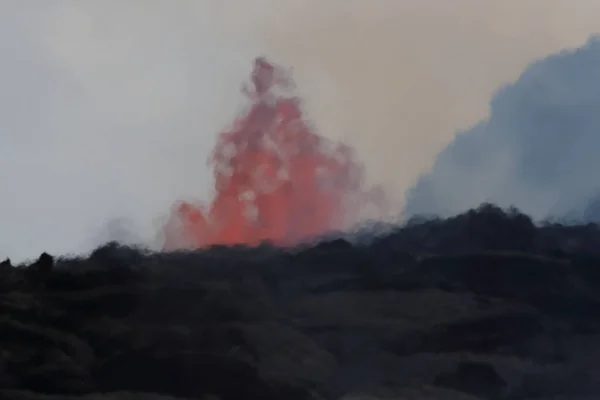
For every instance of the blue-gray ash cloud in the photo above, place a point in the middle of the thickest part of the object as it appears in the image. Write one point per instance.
(539, 150)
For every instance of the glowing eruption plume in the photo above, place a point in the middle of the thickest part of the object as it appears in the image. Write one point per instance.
(276, 180)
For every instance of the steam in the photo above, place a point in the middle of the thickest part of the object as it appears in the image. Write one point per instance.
(110, 108)
(537, 151)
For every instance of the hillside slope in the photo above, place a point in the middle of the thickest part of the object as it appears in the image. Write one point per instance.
(484, 305)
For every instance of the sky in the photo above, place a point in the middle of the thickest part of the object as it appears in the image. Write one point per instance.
(109, 108)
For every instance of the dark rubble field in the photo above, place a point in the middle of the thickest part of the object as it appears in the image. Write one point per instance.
(480, 306)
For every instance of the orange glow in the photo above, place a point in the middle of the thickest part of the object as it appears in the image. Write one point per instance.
(276, 180)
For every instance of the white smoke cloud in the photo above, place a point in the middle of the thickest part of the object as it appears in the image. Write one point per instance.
(109, 108)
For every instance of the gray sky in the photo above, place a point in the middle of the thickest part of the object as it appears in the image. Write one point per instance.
(110, 107)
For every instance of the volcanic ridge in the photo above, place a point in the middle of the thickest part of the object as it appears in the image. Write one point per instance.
(484, 305)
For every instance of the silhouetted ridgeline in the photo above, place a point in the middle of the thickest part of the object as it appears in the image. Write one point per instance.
(484, 305)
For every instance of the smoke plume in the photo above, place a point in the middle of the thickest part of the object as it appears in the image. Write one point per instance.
(538, 150)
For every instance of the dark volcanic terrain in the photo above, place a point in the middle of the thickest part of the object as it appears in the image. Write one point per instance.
(481, 306)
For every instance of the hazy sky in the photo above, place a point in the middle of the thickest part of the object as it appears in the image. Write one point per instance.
(110, 107)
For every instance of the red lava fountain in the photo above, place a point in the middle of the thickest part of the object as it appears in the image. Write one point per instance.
(276, 180)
